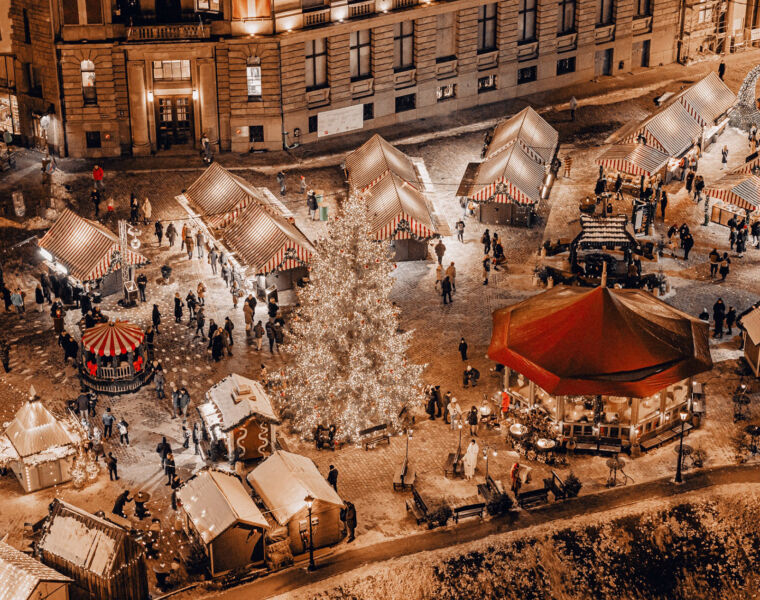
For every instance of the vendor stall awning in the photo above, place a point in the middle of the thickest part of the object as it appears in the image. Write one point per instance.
(739, 189)
(369, 162)
(749, 166)
(509, 176)
(707, 99)
(527, 126)
(35, 430)
(113, 338)
(399, 210)
(600, 341)
(266, 242)
(85, 247)
(672, 130)
(634, 159)
(601, 231)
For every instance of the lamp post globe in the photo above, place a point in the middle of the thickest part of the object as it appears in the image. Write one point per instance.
(309, 504)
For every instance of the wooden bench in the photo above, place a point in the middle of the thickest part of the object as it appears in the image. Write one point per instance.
(404, 478)
(372, 436)
(469, 510)
(604, 445)
(417, 506)
(490, 489)
(556, 486)
(453, 466)
(531, 498)
(665, 436)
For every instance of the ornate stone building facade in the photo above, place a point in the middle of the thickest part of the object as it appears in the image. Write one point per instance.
(141, 76)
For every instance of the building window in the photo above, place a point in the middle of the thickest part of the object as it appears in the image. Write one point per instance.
(256, 133)
(527, 74)
(526, 21)
(566, 65)
(70, 12)
(487, 28)
(253, 79)
(642, 8)
(407, 102)
(94, 12)
(445, 40)
(171, 70)
(34, 78)
(361, 54)
(316, 64)
(88, 82)
(704, 16)
(446, 92)
(486, 84)
(566, 17)
(27, 29)
(313, 124)
(403, 46)
(605, 12)
(251, 9)
(369, 111)
(92, 138)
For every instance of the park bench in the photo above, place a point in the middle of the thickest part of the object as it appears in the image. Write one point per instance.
(417, 506)
(665, 436)
(469, 510)
(453, 466)
(556, 486)
(531, 498)
(604, 445)
(372, 436)
(403, 478)
(490, 489)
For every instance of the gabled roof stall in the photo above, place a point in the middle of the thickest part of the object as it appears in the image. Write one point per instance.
(634, 159)
(528, 127)
(367, 164)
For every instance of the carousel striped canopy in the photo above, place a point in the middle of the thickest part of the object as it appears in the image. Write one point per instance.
(113, 338)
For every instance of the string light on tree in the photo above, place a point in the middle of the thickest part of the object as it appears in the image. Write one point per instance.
(349, 364)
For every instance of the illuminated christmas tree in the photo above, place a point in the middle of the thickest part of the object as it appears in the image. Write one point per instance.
(348, 362)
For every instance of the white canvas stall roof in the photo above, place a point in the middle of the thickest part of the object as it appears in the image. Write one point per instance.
(531, 129)
(266, 242)
(85, 247)
(739, 189)
(510, 175)
(34, 430)
(392, 200)
(596, 231)
(82, 539)
(20, 574)
(751, 324)
(236, 398)
(747, 166)
(285, 479)
(373, 159)
(214, 501)
(671, 130)
(707, 99)
(634, 159)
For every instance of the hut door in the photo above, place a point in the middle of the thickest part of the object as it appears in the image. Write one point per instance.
(49, 474)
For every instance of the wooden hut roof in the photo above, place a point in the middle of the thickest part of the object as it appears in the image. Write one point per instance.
(373, 159)
(531, 129)
(35, 430)
(20, 574)
(235, 399)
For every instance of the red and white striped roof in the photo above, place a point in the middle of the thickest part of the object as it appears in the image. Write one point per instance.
(369, 162)
(510, 175)
(740, 189)
(747, 166)
(672, 130)
(112, 338)
(634, 159)
(85, 247)
(528, 127)
(707, 99)
(393, 201)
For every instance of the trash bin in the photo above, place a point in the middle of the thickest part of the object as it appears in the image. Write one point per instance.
(323, 213)
(130, 292)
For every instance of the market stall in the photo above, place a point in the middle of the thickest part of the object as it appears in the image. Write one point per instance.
(672, 130)
(239, 419)
(614, 363)
(750, 324)
(530, 129)
(283, 481)
(633, 160)
(507, 186)
(709, 102)
(219, 512)
(114, 359)
(38, 448)
(735, 195)
(366, 165)
(24, 578)
(86, 253)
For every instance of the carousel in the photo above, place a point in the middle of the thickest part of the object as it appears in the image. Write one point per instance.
(114, 360)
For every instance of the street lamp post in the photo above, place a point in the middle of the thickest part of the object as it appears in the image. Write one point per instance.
(459, 447)
(683, 416)
(312, 565)
(486, 453)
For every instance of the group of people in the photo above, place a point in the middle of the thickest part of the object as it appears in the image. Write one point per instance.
(491, 242)
(721, 317)
(680, 236)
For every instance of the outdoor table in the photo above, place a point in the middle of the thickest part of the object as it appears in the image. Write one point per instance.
(518, 430)
(140, 499)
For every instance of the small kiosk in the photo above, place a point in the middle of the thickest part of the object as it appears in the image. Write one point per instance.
(750, 324)
(735, 195)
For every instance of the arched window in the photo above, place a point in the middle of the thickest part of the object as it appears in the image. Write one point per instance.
(88, 82)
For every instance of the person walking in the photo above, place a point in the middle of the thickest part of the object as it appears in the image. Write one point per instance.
(281, 181)
(163, 450)
(95, 198)
(111, 463)
(17, 299)
(196, 436)
(473, 421)
(171, 234)
(312, 204)
(159, 231)
(189, 244)
(350, 520)
(486, 268)
(724, 267)
(721, 69)
(332, 477)
(573, 107)
(270, 335)
(731, 320)
(134, 209)
(213, 257)
(440, 249)
(302, 181)
(178, 304)
(446, 290)
(568, 165)
(216, 342)
(248, 320)
(460, 230)
(663, 204)
(258, 335)
(156, 318)
(451, 273)
(108, 420)
(200, 322)
(123, 428)
(97, 176)
(723, 157)
(455, 413)
(688, 244)
(228, 327)
(147, 210)
(235, 292)
(192, 304)
(170, 468)
(463, 349)
(142, 283)
(159, 379)
(39, 297)
(485, 239)
(714, 258)
(201, 289)
(200, 241)
(185, 232)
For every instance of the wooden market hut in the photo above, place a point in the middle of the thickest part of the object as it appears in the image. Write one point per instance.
(620, 360)
(87, 252)
(709, 102)
(38, 448)
(239, 419)
(634, 159)
(283, 481)
(100, 556)
(736, 194)
(219, 511)
(531, 130)
(367, 165)
(750, 324)
(24, 578)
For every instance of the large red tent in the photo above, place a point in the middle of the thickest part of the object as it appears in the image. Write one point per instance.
(599, 341)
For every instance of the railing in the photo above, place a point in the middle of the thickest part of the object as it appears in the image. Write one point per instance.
(140, 33)
(360, 9)
(120, 372)
(317, 17)
(404, 3)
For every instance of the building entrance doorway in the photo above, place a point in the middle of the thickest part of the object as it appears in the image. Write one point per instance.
(174, 118)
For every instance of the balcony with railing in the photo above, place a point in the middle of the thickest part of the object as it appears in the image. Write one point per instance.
(179, 31)
(404, 3)
(316, 17)
(361, 9)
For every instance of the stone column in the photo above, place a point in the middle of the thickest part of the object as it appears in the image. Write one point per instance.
(139, 107)
(207, 99)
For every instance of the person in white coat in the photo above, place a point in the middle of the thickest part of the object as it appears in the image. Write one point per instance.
(470, 460)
